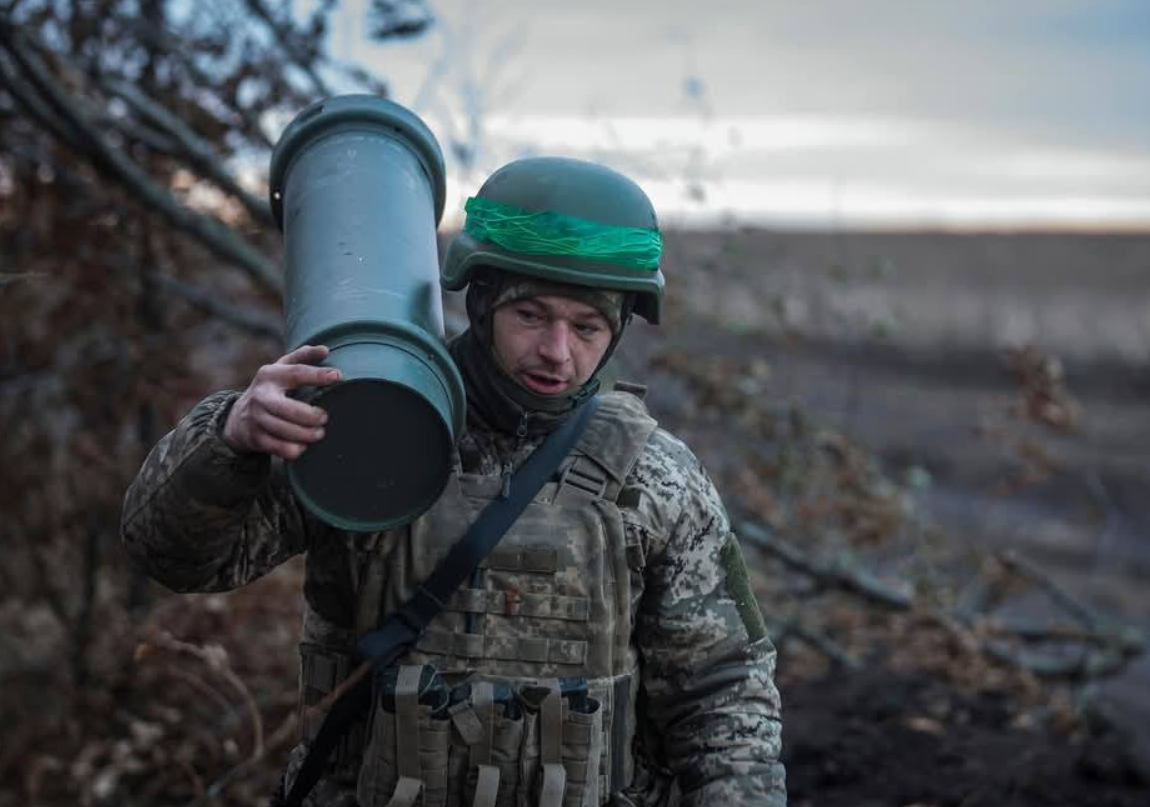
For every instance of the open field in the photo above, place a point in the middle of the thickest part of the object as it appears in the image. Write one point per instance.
(911, 361)
(901, 342)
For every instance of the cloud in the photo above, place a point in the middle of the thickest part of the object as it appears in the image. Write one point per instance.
(1030, 105)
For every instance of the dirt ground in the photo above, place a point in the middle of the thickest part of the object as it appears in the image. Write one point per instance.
(894, 739)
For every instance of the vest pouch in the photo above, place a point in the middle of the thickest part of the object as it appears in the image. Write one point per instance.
(582, 748)
(569, 744)
(322, 670)
(407, 755)
(529, 767)
(485, 765)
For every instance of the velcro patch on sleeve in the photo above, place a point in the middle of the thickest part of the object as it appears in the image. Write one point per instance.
(739, 587)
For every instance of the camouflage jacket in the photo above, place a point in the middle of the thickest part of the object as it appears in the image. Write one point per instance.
(199, 517)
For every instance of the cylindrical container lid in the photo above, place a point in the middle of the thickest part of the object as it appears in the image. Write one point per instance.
(399, 485)
(388, 445)
(356, 111)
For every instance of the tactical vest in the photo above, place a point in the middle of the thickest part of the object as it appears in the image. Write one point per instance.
(534, 666)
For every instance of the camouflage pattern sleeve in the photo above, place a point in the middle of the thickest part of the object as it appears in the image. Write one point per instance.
(199, 517)
(708, 664)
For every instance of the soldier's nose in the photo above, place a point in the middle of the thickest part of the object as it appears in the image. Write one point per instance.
(554, 345)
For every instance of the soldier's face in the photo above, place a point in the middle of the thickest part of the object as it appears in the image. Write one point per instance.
(551, 345)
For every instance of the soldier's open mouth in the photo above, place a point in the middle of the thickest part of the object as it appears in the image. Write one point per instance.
(546, 385)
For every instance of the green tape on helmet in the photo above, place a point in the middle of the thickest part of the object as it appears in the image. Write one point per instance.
(547, 233)
(563, 221)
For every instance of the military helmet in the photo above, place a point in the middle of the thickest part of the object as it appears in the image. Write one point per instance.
(563, 220)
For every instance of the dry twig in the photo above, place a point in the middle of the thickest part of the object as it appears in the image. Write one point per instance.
(852, 580)
(282, 736)
(818, 641)
(1020, 566)
(216, 661)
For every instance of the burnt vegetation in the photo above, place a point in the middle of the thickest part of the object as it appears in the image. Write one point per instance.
(139, 271)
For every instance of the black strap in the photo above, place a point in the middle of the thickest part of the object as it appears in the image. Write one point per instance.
(403, 627)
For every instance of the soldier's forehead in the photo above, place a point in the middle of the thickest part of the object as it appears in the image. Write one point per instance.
(561, 304)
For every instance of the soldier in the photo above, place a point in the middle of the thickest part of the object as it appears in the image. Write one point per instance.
(609, 650)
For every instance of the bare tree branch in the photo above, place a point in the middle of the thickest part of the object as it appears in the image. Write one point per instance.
(156, 38)
(1124, 638)
(218, 238)
(134, 130)
(254, 322)
(34, 108)
(246, 320)
(1084, 665)
(289, 37)
(199, 154)
(399, 18)
(7, 278)
(816, 640)
(82, 631)
(1025, 569)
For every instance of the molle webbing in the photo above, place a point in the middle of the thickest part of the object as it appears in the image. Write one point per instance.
(407, 742)
(479, 752)
(551, 747)
(484, 743)
(608, 449)
(322, 669)
(619, 739)
(617, 436)
(544, 559)
(535, 649)
(508, 603)
(585, 476)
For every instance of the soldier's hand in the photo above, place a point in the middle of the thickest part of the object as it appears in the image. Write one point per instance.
(266, 420)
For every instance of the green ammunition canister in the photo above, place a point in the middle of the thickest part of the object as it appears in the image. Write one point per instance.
(357, 187)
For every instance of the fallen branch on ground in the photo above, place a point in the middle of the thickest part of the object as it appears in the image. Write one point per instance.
(1102, 649)
(852, 580)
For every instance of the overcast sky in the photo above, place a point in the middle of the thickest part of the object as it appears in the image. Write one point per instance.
(816, 112)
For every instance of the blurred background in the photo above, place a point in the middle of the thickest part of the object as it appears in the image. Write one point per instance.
(908, 332)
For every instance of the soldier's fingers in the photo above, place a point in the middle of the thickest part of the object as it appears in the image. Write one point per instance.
(280, 448)
(291, 376)
(305, 354)
(292, 432)
(295, 411)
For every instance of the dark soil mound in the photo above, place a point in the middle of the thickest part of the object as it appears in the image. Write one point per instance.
(878, 737)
